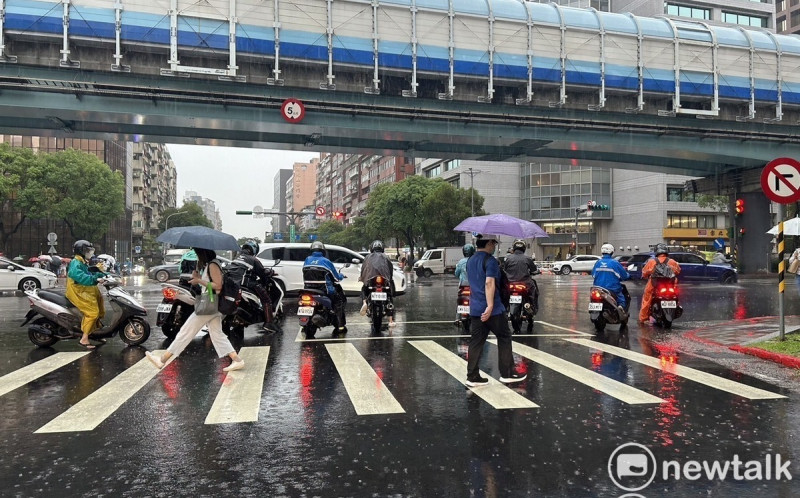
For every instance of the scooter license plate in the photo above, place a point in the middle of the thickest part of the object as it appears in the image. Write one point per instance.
(595, 306)
(515, 299)
(462, 310)
(378, 296)
(305, 311)
(669, 304)
(164, 308)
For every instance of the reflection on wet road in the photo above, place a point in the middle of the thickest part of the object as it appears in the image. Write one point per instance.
(383, 415)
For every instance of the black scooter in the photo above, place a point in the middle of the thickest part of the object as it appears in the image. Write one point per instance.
(521, 307)
(315, 309)
(379, 302)
(604, 309)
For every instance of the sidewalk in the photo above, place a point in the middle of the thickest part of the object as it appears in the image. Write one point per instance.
(738, 335)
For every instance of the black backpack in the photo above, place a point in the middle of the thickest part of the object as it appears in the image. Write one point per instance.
(501, 284)
(228, 296)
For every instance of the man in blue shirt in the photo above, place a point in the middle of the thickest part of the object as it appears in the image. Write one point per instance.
(483, 271)
(332, 279)
(609, 273)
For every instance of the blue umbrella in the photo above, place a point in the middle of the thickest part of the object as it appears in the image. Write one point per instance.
(197, 236)
(502, 224)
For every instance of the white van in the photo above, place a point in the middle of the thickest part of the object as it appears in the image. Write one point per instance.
(292, 256)
(173, 256)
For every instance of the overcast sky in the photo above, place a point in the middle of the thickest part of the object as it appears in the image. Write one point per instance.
(235, 179)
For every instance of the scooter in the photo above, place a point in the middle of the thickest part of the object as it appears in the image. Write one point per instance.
(462, 307)
(521, 306)
(250, 311)
(665, 306)
(603, 308)
(175, 307)
(315, 309)
(60, 320)
(379, 303)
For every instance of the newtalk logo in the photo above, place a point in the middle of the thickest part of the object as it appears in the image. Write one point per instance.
(633, 467)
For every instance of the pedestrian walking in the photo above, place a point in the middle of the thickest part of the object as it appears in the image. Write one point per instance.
(211, 274)
(794, 259)
(487, 314)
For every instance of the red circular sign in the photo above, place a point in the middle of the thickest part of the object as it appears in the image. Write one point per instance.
(320, 211)
(293, 111)
(780, 180)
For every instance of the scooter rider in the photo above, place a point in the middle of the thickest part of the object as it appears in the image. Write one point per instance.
(82, 290)
(256, 278)
(519, 268)
(609, 273)
(661, 264)
(461, 267)
(377, 264)
(319, 260)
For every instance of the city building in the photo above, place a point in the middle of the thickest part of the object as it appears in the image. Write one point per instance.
(207, 205)
(280, 223)
(31, 237)
(787, 16)
(751, 13)
(154, 189)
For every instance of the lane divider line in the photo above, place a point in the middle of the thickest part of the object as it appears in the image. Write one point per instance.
(239, 397)
(613, 388)
(29, 373)
(705, 378)
(98, 406)
(367, 392)
(495, 393)
(546, 324)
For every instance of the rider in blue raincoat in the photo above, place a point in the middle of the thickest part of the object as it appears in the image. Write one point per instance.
(609, 273)
(332, 277)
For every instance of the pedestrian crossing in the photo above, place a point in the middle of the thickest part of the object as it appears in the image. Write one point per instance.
(241, 392)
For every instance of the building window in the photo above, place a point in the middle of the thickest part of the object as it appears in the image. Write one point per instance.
(744, 20)
(684, 11)
(679, 194)
(781, 24)
(691, 221)
(795, 20)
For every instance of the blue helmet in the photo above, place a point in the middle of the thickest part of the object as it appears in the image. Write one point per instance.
(468, 250)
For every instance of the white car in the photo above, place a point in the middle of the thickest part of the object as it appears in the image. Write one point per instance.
(584, 262)
(14, 276)
(292, 255)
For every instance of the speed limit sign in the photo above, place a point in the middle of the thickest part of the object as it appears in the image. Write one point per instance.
(293, 111)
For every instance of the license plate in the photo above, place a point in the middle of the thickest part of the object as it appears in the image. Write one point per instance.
(164, 308)
(305, 311)
(515, 299)
(595, 306)
(462, 310)
(378, 296)
(669, 304)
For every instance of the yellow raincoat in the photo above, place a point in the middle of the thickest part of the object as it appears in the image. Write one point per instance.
(82, 291)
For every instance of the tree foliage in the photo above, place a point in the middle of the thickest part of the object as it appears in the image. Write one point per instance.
(717, 202)
(18, 200)
(445, 207)
(190, 214)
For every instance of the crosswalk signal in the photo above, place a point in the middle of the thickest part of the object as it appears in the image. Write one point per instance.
(739, 207)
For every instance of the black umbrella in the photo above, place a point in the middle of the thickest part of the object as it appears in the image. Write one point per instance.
(202, 237)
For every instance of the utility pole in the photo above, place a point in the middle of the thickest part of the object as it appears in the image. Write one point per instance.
(472, 172)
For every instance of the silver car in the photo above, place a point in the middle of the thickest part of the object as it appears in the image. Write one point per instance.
(579, 263)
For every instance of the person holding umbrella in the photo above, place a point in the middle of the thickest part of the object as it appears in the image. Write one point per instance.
(204, 241)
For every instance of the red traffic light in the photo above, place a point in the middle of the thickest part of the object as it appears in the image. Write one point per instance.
(739, 206)
(741, 231)
(337, 214)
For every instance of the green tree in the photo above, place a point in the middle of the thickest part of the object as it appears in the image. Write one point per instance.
(18, 198)
(328, 229)
(445, 207)
(78, 188)
(190, 214)
(355, 236)
(397, 209)
(242, 240)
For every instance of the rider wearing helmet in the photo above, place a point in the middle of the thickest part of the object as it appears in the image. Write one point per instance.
(376, 264)
(318, 260)
(609, 273)
(519, 268)
(251, 274)
(660, 265)
(82, 290)
(461, 267)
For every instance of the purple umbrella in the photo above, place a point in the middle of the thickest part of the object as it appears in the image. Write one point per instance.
(502, 224)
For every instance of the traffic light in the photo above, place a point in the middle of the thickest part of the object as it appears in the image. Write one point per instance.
(739, 207)
(338, 214)
(741, 232)
(594, 206)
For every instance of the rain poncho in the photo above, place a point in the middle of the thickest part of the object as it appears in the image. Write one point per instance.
(82, 291)
(649, 290)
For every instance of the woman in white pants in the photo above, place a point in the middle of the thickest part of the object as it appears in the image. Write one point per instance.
(213, 274)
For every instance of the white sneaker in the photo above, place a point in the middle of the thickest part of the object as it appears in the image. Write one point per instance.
(155, 360)
(363, 309)
(235, 365)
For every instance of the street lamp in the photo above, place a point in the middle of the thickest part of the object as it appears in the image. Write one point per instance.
(166, 223)
(472, 174)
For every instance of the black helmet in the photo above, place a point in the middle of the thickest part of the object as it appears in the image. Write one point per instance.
(468, 250)
(81, 247)
(376, 246)
(519, 245)
(250, 247)
(317, 246)
(662, 249)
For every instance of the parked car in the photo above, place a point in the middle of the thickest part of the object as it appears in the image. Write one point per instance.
(289, 272)
(162, 273)
(694, 268)
(14, 276)
(623, 259)
(581, 262)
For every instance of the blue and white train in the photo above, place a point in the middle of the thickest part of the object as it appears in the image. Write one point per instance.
(448, 49)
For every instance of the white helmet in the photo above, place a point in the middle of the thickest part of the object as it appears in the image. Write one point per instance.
(607, 249)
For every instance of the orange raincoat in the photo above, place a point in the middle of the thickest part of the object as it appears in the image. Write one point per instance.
(649, 290)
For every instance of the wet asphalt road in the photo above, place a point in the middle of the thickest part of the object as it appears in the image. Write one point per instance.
(445, 440)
